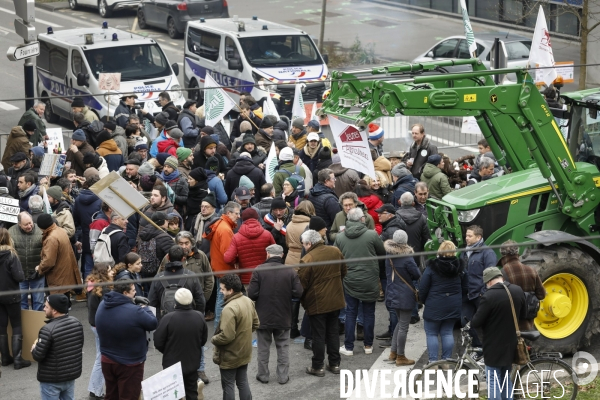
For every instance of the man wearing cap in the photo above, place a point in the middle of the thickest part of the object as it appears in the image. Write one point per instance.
(79, 147)
(285, 169)
(35, 114)
(189, 123)
(179, 337)
(130, 174)
(126, 108)
(58, 350)
(61, 210)
(244, 167)
(495, 317)
(436, 180)
(58, 263)
(245, 115)
(17, 142)
(20, 165)
(315, 126)
(243, 197)
(376, 138)
(419, 151)
(142, 150)
(310, 153)
(164, 125)
(272, 291)
(78, 106)
(403, 182)
(297, 138)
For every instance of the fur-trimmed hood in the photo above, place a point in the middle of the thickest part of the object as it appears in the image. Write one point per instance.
(398, 249)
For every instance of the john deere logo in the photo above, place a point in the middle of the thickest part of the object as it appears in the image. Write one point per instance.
(493, 98)
(214, 103)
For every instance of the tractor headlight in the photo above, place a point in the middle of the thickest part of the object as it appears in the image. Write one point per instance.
(467, 216)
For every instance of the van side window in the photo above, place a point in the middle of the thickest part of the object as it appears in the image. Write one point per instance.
(77, 63)
(204, 44)
(53, 59)
(231, 50)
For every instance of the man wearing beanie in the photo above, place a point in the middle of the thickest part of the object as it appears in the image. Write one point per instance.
(78, 106)
(297, 138)
(61, 210)
(79, 147)
(416, 157)
(117, 133)
(186, 160)
(277, 221)
(58, 263)
(285, 169)
(108, 149)
(257, 154)
(58, 350)
(324, 161)
(244, 167)
(264, 136)
(172, 177)
(272, 291)
(206, 149)
(403, 182)
(376, 134)
(436, 180)
(248, 245)
(179, 337)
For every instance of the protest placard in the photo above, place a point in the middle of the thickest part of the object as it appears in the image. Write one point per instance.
(353, 147)
(167, 384)
(119, 194)
(52, 165)
(55, 140)
(9, 209)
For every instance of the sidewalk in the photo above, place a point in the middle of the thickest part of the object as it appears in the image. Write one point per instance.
(54, 6)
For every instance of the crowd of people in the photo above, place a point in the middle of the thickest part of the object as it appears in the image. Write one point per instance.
(211, 212)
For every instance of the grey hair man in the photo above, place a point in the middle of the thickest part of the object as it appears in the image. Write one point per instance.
(421, 195)
(272, 287)
(36, 207)
(35, 114)
(486, 171)
(348, 201)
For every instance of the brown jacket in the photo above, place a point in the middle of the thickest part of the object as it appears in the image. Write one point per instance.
(292, 238)
(77, 158)
(58, 263)
(323, 290)
(384, 165)
(17, 141)
(345, 179)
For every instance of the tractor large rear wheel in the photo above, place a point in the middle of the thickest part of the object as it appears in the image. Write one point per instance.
(571, 277)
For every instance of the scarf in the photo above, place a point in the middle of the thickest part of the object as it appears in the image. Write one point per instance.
(26, 193)
(469, 248)
(168, 178)
(199, 226)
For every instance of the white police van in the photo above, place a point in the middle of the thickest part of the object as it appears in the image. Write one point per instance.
(70, 62)
(243, 52)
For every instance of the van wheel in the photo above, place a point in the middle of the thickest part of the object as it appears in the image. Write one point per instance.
(104, 9)
(193, 93)
(49, 114)
(172, 29)
(141, 19)
(73, 4)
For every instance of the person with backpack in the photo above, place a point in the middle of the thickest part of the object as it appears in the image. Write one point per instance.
(286, 169)
(174, 277)
(152, 245)
(112, 244)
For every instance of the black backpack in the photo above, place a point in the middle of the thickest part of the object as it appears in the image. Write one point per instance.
(532, 305)
(167, 301)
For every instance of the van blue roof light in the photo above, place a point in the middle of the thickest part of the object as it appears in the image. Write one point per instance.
(265, 28)
(115, 38)
(105, 25)
(254, 18)
(50, 31)
(201, 19)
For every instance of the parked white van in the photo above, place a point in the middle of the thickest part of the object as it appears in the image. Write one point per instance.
(240, 53)
(71, 60)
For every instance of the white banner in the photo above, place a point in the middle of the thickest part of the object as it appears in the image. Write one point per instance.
(217, 103)
(271, 164)
(269, 108)
(313, 112)
(167, 384)
(298, 110)
(541, 50)
(468, 29)
(55, 140)
(353, 147)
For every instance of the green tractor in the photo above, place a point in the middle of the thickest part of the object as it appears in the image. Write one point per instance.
(549, 201)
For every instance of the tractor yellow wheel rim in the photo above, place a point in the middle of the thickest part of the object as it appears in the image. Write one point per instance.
(564, 309)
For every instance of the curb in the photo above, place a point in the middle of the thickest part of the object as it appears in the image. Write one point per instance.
(59, 5)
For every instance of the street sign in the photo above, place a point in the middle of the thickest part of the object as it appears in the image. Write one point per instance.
(27, 32)
(16, 53)
(25, 9)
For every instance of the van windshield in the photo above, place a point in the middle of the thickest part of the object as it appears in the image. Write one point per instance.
(133, 62)
(280, 51)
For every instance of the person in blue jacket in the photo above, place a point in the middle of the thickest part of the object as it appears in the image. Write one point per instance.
(164, 125)
(86, 205)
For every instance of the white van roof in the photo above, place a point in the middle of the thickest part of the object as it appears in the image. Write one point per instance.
(253, 27)
(102, 38)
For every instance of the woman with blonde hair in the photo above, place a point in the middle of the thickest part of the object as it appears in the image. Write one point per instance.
(441, 288)
(380, 185)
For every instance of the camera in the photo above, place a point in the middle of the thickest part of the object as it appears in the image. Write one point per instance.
(141, 301)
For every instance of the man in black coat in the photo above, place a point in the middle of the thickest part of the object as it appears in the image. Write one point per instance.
(119, 245)
(244, 166)
(180, 337)
(58, 349)
(495, 317)
(323, 197)
(272, 290)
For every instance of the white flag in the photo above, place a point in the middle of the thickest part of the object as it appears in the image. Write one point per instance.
(353, 147)
(217, 103)
(269, 107)
(271, 164)
(298, 110)
(468, 29)
(313, 113)
(541, 50)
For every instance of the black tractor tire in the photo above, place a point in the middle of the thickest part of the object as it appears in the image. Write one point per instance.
(555, 259)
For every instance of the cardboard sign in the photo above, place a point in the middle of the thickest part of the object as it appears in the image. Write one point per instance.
(52, 165)
(31, 322)
(353, 147)
(55, 140)
(109, 81)
(113, 188)
(167, 384)
(9, 209)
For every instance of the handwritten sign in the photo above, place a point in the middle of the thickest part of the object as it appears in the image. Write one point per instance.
(167, 384)
(110, 81)
(9, 209)
(55, 140)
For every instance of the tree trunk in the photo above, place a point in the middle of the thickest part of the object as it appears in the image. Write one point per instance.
(583, 48)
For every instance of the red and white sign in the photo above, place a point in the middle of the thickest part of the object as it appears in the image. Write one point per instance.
(353, 147)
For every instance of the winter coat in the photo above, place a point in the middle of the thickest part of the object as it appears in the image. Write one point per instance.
(200, 158)
(168, 146)
(420, 154)
(59, 350)
(310, 162)
(76, 158)
(384, 165)
(405, 184)
(181, 189)
(436, 181)
(174, 273)
(233, 335)
(197, 262)
(372, 203)
(321, 164)
(416, 227)
(89, 115)
(279, 235)
(17, 141)
(122, 113)
(390, 226)
(24, 201)
(93, 301)
(341, 218)
(259, 155)
(180, 336)
(398, 296)
(235, 128)
(196, 194)
(40, 132)
(11, 274)
(172, 110)
(28, 247)
(263, 139)
(292, 238)
(244, 166)
(345, 178)
(118, 135)
(281, 176)
(154, 147)
(494, 316)
(326, 203)
(111, 154)
(248, 247)
(86, 205)
(167, 208)
(272, 291)
(64, 218)
(163, 241)
(299, 140)
(220, 235)
(323, 288)
(479, 260)
(188, 123)
(126, 345)
(14, 178)
(134, 276)
(215, 184)
(264, 207)
(357, 241)
(441, 288)
(119, 245)
(58, 263)
(103, 169)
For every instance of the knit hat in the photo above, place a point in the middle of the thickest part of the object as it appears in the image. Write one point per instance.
(400, 237)
(249, 213)
(55, 192)
(78, 135)
(491, 273)
(248, 139)
(176, 133)
(18, 156)
(91, 172)
(198, 174)
(207, 141)
(298, 123)
(141, 146)
(434, 159)
(292, 182)
(266, 123)
(3, 181)
(183, 153)
(209, 130)
(29, 126)
(183, 297)
(162, 118)
(400, 170)
(172, 162)
(45, 221)
(312, 136)
(275, 250)
(286, 154)
(146, 169)
(77, 102)
(336, 159)
(313, 124)
(90, 158)
(162, 157)
(170, 125)
(278, 204)
(245, 126)
(159, 218)
(37, 151)
(188, 104)
(212, 164)
(325, 154)
(102, 137)
(59, 302)
(110, 125)
(147, 182)
(246, 155)
(375, 132)
(316, 223)
(245, 181)
(210, 199)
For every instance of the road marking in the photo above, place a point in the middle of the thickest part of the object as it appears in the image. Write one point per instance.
(7, 107)
(41, 21)
(135, 25)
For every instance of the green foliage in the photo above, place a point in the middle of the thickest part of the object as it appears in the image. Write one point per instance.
(356, 54)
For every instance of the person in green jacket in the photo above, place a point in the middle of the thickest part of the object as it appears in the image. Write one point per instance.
(436, 180)
(35, 114)
(348, 201)
(286, 162)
